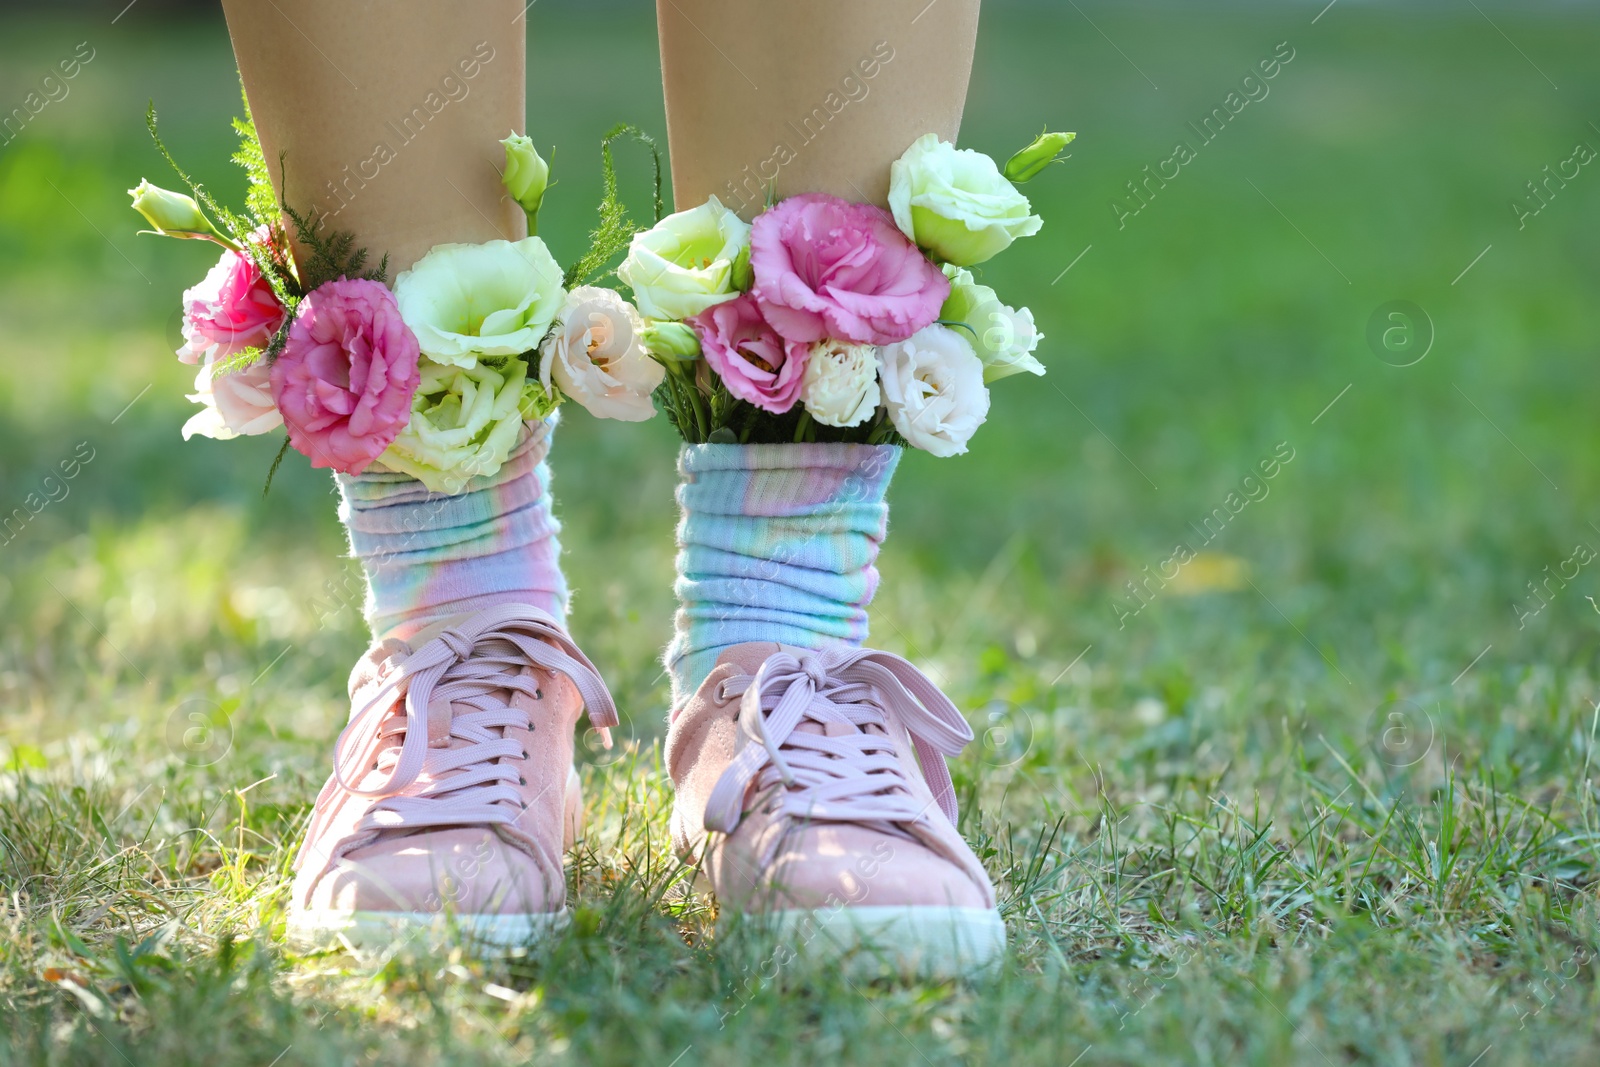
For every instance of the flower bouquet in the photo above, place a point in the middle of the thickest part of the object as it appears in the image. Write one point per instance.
(434, 377)
(827, 320)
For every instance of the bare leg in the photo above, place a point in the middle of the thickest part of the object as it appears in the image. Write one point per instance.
(814, 96)
(387, 113)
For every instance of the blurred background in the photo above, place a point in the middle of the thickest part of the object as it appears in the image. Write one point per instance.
(1442, 460)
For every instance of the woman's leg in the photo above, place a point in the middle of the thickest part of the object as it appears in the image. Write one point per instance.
(818, 96)
(387, 114)
(454, 783)
(809, 778)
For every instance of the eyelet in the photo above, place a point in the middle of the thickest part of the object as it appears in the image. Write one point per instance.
(538, 694)
(529, 727)
(524, 753)
(521, 780)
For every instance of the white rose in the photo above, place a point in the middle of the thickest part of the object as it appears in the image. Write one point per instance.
(956, 203)
(465, 421)
(1003, 336)
(595, 357)
(933, 388)
(840, 387)
(687, 262)
(233, 405)
(492, 299)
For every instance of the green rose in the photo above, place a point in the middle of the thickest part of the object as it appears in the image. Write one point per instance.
(465, 421)
(1004, 337)
(687, 262)
(955, 202)
(492, 299)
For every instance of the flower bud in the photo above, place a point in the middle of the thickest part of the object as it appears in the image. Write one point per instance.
(742, 276)
(174, 214)
(671, 342)
(1040, 154)
(526, 176)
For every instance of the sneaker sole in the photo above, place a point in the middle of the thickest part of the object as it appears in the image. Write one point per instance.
(933, 943)
(316, 930)
(387, 929)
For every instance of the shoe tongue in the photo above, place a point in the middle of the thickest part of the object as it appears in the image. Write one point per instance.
(417, 638)
(833, 728)
(440, 715)
(442, 712)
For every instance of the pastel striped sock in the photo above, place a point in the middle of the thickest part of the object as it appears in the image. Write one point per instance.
(429, 555)
(776, 543)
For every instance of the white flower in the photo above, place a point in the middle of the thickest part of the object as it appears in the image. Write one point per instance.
(595, 357)
(688, 261)
(233, 405)
(492, 299)
(933, 388)
(1004, 337)
(840, 387)
(956, 203)
(465, 421)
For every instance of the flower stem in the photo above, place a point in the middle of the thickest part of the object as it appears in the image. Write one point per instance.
(218, 237)
(802, 426)
(701, 416)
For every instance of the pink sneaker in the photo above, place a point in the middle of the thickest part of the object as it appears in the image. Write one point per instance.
(797, 785)
(453, 794)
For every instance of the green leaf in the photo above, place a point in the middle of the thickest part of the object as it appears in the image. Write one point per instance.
(237, 362)
(273, 470)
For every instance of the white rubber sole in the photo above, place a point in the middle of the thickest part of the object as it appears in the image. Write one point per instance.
(373, 930)
(934, 943)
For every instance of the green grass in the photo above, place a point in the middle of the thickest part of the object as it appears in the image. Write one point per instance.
(1213, 844)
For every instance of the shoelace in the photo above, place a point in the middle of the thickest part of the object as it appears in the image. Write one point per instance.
(474, 665)
(845, 773)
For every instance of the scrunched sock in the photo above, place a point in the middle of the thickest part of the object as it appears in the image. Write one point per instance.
(776, 543)
(431, 555)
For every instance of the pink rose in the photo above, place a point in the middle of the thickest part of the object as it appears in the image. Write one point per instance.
(231, 310)
(825, 267)
(345, 379)
(748, 355)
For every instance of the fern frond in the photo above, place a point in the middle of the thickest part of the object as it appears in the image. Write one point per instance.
(260, 201)
(334, 254)
(236, 226)
(614, 229)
